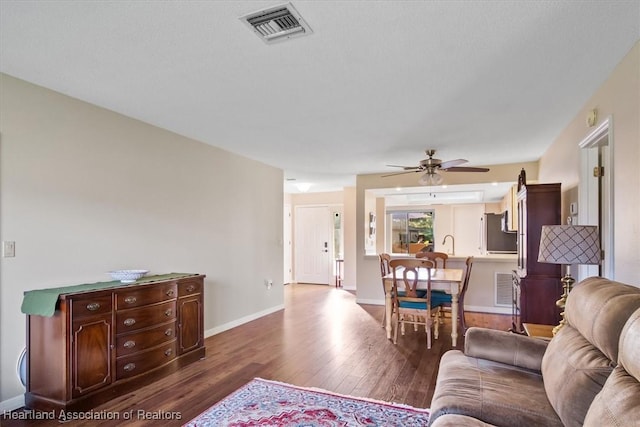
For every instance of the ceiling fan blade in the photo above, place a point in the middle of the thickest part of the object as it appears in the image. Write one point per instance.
(451, 163)
(465, 169)
(403, 167)
(400, 173)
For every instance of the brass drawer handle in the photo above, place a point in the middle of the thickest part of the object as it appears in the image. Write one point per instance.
(129, 344)
(168, 332)
(129, 367)
(168, 312)
(130, 300)
(93, 306)
(170, 293)
(168, 352)
(191, 288)
(129, 322)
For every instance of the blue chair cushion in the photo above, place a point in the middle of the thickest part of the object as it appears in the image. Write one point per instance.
(417, 305)
(440, 297)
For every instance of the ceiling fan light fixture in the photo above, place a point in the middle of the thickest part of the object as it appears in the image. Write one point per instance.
(430, 179)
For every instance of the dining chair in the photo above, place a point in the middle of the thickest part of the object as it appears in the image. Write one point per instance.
(384, 270)
(409, 304)
(465, 285)
(440, 259)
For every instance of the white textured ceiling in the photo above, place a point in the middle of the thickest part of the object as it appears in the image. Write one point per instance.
(376, 83)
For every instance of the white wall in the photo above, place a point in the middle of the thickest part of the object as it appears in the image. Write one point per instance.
(85, 191)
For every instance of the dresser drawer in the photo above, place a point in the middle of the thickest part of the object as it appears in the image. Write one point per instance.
(136, 364)
(90, 306)
(127, 344)
(145, 294)
(189, 287)
(144, 317)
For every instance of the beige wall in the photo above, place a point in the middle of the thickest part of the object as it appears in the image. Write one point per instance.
(350, 273)
(85, 191)
(618, 98)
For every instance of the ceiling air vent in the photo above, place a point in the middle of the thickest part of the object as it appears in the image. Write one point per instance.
(277, 23)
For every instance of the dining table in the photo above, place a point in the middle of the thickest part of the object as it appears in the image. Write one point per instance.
(448, 280)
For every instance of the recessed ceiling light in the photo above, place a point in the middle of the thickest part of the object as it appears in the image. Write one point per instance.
(303, 186)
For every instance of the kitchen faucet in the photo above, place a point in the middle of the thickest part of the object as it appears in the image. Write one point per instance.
(453, 243)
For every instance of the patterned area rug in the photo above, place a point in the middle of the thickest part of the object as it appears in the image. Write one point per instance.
(270, 403)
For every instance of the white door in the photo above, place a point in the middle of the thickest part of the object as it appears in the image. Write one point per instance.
(313, 247)
(286, 244)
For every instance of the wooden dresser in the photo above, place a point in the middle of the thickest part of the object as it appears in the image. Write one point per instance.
(102, 343)
(536, 286)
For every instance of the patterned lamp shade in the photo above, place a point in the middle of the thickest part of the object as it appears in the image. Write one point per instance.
(569, 244)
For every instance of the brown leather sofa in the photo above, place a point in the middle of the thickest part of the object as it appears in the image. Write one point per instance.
(588, 374)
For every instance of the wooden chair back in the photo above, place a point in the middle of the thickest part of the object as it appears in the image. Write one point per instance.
(384, 265)
(465, 281)
(384, 270)
(405, 276)
(439, 258)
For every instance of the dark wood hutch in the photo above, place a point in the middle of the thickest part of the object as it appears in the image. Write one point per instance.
(536, 286)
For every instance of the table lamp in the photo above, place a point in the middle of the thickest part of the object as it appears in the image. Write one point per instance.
(568, 244)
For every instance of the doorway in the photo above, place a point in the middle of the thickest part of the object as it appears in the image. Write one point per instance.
(595, 201)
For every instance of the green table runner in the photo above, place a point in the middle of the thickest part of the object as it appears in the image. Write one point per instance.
(42, 302)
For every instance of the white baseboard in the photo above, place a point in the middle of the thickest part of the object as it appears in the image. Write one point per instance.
(469, 308)
(12, 404)
(492, 310)
(241, 321)
(369, 301)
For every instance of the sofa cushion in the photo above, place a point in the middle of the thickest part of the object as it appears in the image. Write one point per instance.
(599, 308)
(583, 354)
(493, 392)
(574, 372)
(618, 404)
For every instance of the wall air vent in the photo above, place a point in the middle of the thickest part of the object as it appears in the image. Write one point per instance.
(503, 288)
(277, 23)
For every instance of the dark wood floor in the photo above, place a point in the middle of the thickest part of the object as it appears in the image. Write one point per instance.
(322, 339)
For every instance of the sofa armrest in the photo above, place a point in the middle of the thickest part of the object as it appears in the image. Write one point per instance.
(455, 420)
(505, 347)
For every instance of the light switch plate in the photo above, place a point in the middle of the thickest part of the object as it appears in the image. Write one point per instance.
(573, 208)
(8, 249)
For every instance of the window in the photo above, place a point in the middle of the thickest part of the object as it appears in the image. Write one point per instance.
(411, 231)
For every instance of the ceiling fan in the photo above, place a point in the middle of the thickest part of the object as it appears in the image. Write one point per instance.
(431, 166)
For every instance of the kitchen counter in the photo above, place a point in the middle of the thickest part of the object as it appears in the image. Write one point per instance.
(487, 258)
(489, 287)
(462, 258)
